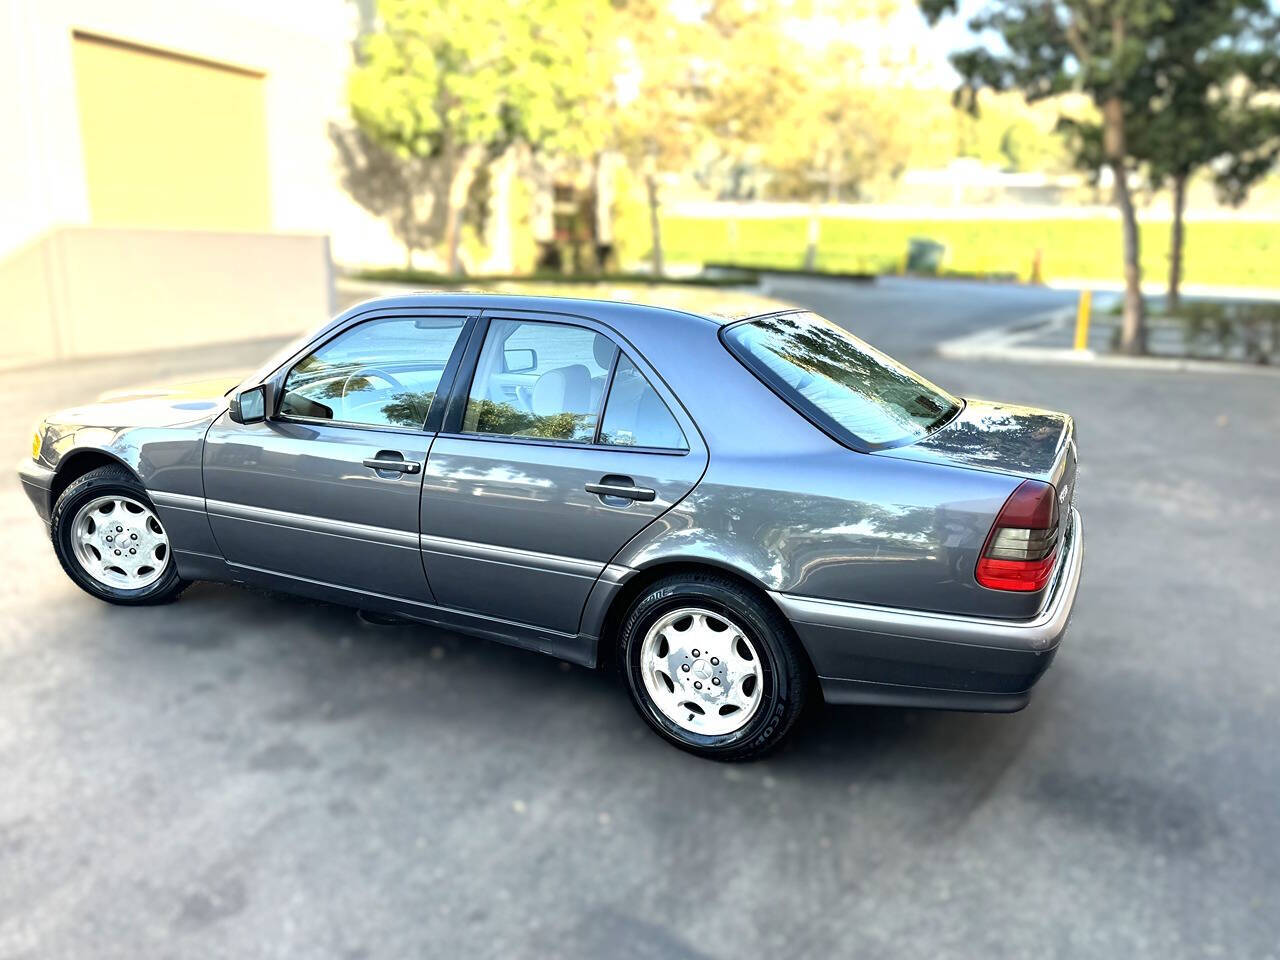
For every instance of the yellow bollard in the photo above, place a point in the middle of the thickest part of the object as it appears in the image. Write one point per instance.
(1083, 312)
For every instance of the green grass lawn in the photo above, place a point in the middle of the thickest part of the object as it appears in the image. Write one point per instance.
(1244, 254)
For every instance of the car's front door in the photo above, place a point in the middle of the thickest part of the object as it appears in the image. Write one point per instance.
(326, 489)
(560, 451)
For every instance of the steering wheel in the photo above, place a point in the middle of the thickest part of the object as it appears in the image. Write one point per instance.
(371, 371)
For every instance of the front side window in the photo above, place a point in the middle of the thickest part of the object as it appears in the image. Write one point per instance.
(537, 379)
(380, 373)
(848, 387)
(635, 415)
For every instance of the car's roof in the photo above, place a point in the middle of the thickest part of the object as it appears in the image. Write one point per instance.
(678, 305)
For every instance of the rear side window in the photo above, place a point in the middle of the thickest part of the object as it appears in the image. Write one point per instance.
(539, 379)
(635, 415)
(846, 386)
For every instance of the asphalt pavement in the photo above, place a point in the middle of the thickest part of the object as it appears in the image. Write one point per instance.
(246, 775)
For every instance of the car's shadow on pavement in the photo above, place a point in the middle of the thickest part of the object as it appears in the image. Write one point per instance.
(331, 663)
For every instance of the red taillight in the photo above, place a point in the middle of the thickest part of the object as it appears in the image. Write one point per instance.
(1023, 543)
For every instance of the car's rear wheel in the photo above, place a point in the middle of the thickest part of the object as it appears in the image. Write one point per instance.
(711, 667)
(110, 541)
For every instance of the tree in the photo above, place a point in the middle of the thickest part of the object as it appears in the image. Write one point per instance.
(654, 104)
(700, 84)
(1200, 98)
(1209, 89)
(456, 83)
(1052, 47)
(397, 188)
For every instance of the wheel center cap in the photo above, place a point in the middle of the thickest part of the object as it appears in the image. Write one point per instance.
(702, 669)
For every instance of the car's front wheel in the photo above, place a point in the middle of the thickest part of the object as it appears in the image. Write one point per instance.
(111, 542)
(711, 667)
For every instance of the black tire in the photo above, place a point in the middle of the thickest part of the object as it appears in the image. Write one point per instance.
(785, 675)
(101, 482)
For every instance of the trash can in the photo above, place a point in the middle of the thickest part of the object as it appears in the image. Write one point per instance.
(925, 255)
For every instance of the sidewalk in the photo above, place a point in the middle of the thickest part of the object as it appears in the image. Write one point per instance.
(1050, 338)
(1155, 289)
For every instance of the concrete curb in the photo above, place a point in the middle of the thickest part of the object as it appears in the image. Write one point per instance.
(1005, 344)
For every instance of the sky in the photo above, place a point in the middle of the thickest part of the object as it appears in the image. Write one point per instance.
(906, 31)
(951, 33)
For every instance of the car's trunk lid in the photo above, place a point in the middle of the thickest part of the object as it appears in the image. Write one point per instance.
(1003, 438)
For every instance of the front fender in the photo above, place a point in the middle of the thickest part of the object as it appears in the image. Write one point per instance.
(164, 459)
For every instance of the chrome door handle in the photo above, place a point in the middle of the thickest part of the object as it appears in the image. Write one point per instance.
(619, 490)
(399, 466)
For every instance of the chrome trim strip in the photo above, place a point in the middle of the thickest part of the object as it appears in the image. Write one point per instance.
(511, 556)
(405, 539)
(352, 425)
(177, 501)
(1038, 634)
(616, 573)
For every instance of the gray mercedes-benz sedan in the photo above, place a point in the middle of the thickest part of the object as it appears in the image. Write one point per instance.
(741, 513)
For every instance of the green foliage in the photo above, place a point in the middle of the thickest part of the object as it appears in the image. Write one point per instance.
(1204, 93)
(1236, 253)
(630, 216)
(456, 83)
(525, 247)
(1250, 331)
(439, 74)
(1090, 46)
(408, 409)
(507, 420)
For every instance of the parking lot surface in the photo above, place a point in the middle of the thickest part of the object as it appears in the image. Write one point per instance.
(246, 775)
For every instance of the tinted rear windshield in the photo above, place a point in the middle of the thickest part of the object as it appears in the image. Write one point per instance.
(850, 389)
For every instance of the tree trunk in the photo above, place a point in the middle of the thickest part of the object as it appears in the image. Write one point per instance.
(408, 228)
(814, 233)
(501, 231)
(655, 225)
(461, 175)
(1133, 326)
(1177, 242)
(605, 188)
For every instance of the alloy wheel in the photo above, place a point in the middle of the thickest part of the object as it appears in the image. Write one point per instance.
(702, 671)
(119, 542)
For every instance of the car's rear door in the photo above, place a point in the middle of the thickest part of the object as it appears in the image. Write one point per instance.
(559, 445)
(327, 489)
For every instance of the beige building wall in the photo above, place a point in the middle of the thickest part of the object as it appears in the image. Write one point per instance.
(168, 177)
(98, 291)
(301, 49)
(169, 140)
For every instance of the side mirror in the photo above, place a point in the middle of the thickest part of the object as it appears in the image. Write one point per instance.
(522, 360)
(250, 406)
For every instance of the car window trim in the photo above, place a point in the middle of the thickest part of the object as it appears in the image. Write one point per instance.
(604, 395)
(352, 425)
(281, 374)
(457, 403)
(565, 444)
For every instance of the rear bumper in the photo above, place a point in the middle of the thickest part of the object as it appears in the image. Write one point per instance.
(36, 479)
(878, 655)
